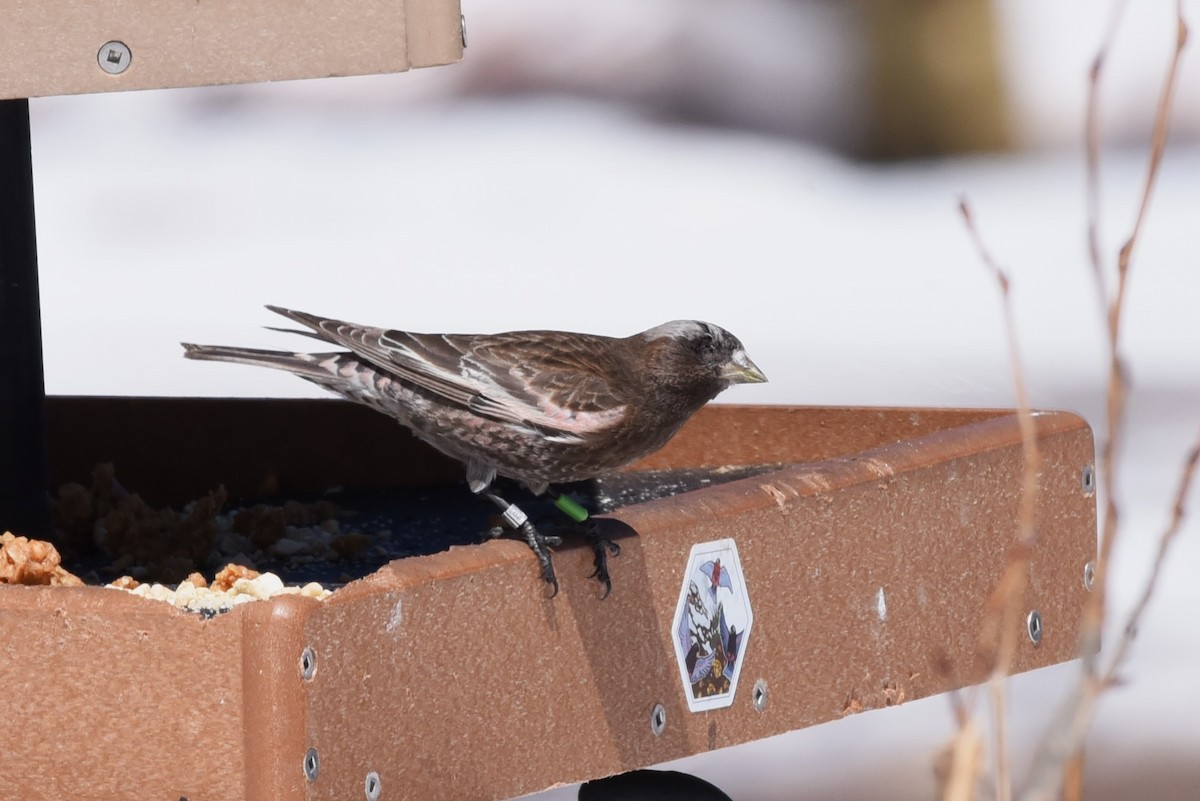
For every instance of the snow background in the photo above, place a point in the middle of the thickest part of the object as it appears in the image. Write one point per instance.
(454, 199)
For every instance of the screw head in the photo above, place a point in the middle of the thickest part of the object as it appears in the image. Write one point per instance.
(308, 663)
(114, 57)
(658, 720)
(312, 765)
(1033, 624)
(758, 696)
(372, 786)
(1088, 479)
(1089, 576)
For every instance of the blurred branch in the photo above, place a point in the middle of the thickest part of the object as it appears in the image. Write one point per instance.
(1117, 389)
(1064, 740)
(1165, 540)
(1061, 751)
(1062, 747)
(1003, 607)
(1091, 140)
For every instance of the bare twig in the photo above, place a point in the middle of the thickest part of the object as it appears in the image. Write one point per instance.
(1000, 735)
(1060, 744)
(1115, 411)
(1158, 146)
(1178, 515)
(965, 755)
(960, 765)
(1003, 607)
(1061, 750)
(1064, 739)
(1091, 139)
(1073, 778)
(1008, 591)
(1065, 736)
(1094, 615)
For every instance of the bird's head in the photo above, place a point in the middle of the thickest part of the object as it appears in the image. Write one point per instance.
(702, 352)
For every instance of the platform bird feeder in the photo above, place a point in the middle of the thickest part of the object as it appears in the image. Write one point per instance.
(822, 562)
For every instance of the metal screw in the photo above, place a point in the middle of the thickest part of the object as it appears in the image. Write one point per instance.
(312, 764)
(114, 57)
(658, 720)
(462, 29)
(1088, 479)
(308, 663)
(759, 696)
(372, 786)
(1089, 576)
(1033, 623)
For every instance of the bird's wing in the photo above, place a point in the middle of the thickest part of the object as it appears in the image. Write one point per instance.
(550, 378)
(547, 379)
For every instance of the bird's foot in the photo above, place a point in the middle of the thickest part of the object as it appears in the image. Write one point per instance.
(601, 548)
(540, 545)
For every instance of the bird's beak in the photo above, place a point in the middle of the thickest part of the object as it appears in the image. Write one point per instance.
(740, 370)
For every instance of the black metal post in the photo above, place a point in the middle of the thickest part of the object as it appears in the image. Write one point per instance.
(24, 504)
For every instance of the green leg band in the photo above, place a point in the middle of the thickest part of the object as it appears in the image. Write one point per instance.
(571, 509)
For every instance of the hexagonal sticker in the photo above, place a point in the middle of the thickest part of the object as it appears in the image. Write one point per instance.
(712, 625)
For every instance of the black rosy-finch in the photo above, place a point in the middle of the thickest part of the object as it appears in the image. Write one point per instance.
(540, 407)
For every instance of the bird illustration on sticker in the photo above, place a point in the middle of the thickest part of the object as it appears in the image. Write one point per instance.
(539, 407)
(709, 643)
(717, 576)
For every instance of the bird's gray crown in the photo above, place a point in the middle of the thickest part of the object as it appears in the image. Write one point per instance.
(686, 329)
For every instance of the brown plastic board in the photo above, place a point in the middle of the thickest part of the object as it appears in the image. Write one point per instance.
(452, 677)
(55, 47)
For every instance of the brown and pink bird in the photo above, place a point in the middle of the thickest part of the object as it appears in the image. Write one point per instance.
(540, 407)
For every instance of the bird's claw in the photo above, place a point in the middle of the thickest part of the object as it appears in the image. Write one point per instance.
(540, 545)
(601, 548)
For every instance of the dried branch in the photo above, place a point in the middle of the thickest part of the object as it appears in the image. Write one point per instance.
(1009, 591)
(1091, 139)
(1003, 607)
(1117, 389)
(1064, 739)
(1066, 734)
(965, 757)
(1061, 750)
(1158, 146)
(1178, 515)
(1115, 411)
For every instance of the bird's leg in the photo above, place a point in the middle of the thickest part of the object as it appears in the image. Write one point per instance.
(540, 544)
(601, 546)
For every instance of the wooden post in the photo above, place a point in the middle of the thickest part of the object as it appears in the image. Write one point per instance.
(23, 506)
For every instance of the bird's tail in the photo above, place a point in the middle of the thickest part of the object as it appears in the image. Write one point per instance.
(314, 366)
